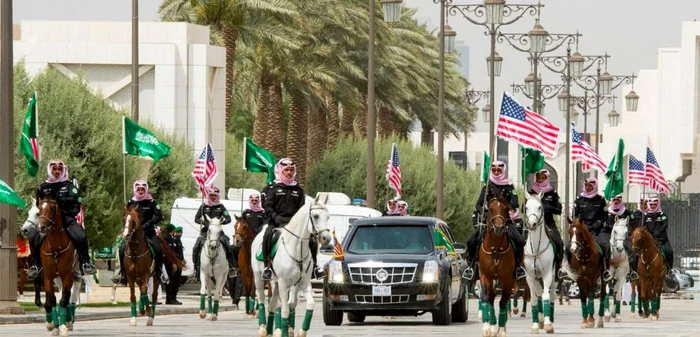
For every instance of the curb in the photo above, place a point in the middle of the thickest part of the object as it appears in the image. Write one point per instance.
(96, 316)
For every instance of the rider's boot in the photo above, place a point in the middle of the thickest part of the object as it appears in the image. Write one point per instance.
(607, 276)
(267, 272)
(196, 250)
(317, 273)
(86, 267)
(469, 273)
(232, 263)
(119, 277)
(561, 272)
(34, 270)
(670, 278)
(519, 270)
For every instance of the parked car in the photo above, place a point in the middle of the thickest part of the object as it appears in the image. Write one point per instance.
(393, 267)
(683, 281)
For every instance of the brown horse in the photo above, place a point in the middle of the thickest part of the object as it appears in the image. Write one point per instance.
(59, 260)
(497, 263)
(24, 260)
(651, 269)
(586, 267)
(243, 239)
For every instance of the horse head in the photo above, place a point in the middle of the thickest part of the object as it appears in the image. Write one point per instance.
(638, 238)
(534, 211)
(213, 232)
(619, 234)
(132, 223)
(581, 238)
(498, 215)
(49, 216)
(242, 231)
(32, 219)
(318, 220)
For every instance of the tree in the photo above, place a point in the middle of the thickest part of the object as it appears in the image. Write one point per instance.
(236, 177)
(85, 132)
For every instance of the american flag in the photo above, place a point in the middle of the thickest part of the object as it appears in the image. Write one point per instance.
(526, 127)
(393, 171)
(337, 249)
(583, 152)
(205, 171)
(654, 176)
(635, 172)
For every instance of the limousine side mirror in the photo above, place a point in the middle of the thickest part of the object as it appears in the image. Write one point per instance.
(326, 250)
(460, 248)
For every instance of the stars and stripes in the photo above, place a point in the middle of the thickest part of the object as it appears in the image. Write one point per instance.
(526, 127)
(583, 152)
(393, 171)
(337, 248)
(654, 176)
(635, 172)
(205, 170)
(80, 218)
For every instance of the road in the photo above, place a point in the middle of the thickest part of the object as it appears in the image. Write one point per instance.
(678, 318)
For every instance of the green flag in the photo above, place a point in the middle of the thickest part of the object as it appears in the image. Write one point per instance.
(533, 162)
(8, 196)
(615, 174)
(138, 141)
(441, 241)
(258, 159)
(29, 140)
(486, 168)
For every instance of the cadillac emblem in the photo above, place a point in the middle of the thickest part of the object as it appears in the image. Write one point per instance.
(382, 275)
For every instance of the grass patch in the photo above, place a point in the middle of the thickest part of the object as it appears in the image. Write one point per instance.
(30, 307)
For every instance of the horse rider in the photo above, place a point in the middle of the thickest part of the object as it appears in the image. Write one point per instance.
(391, 209)
(402, 208)
(150, 215)
(172, 272)
(656, 222)
(616, 210)
(551, 206)
(59, 188)
(636, 220)
(213, 208)
(255, 214)
(282, 200)
(498, 186)
(591, 208)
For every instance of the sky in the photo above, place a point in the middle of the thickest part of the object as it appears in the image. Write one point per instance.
(629, 30)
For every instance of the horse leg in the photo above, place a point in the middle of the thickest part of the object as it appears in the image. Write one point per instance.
(618, 296)
(202, 293)
(526, 298)
(75, 296)
(502, 310)
(132, 299)
(293, 300)
(584, 310)
(143, 299)
(273, 313)
(535, 318)
(601, 305)
(284, 304)
(50, 306)
(220, 282)
(310, 303)
(643, 299)
(547, 304)
(154, 300)
(485, 304)
(260, 296)
(516, 292)
(66, 287)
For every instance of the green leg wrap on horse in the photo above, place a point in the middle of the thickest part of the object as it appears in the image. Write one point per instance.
(492, 314)
(539, 304)
(209, 305)
(306, 325)
(515, 300)
(153, 311)
(142, 304)
(584, 309)
(547, 305)
(658, 302)
(617, 307)
(54, 316)
(133, 309)
(591, 307)
(508, 307)
(653, 306)
(484, 312)
(202, 301)
(645, 305)
(62, 313)
(535, 317)
(607, 302)
(70, 318)
(49, 317)
(284, 326)
(502, 318)
(270, 322)
(216, 307)
(632, 304)
(292, 321)
(551, 318)
(261, 313)
(145, 299)
(278, 318)
(601, 307)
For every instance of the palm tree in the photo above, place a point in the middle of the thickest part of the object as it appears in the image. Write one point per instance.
(333, 124)
(317, 137)
(275, 121)
(296, 136)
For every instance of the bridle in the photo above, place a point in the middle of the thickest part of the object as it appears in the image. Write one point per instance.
(314, 234)
(52, 222)
(242, 238)
(498, 230)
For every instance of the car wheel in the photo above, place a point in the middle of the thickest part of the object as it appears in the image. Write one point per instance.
(574, 292)
(331, 317)
(355, 317)
(460, 310)
(442, 315)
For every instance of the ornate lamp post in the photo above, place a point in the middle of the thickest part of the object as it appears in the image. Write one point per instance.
(473, 97)
(546, 92)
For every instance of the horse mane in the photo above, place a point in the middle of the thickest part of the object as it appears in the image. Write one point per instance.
(58, 219)
(302, 213)
(169, 254)
(586, 236)
(643, 233)
(498, 198)
(134, 216)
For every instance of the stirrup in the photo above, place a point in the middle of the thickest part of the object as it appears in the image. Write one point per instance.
(164, 279)
(607, 276)
(468, 274)
(634, 276)
(318, 273)
(519, 273)
(562, 274)
(33, 272)
(88, 269)
(267, 274)
(233, 272)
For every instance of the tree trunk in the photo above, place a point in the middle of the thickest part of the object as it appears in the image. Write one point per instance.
(275, 121)
(333, 124)
(317, 137)
(346, 122)
(426, 136)
(230, 40)
(361, 119)
(260, 125)
(386, 119)
(296, 137)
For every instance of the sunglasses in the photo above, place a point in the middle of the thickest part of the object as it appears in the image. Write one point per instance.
(141, 185)
(498, 166)
(254, 199)
(56, 165)
(287, 164)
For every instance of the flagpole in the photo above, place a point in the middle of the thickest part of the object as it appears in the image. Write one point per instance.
(124, 156)
(36, 126)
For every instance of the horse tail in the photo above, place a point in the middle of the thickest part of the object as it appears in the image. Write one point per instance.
(615, 262)
(169, 254)
(572, 274)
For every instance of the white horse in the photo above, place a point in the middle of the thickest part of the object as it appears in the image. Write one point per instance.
(539, 264)
(619, 273)
(292, 266)
(30, 228)
(213, 270)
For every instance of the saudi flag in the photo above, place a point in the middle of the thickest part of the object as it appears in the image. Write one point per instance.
(533, 162)
(485, 169)
(8, 196)
(441, 241)
(258, 159)
(138, 141)
(29, 141)
(616, 177)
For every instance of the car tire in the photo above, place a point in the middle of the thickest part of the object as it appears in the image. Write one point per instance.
(442, 315)
(331, 317)
(460, 310)
(355, 317)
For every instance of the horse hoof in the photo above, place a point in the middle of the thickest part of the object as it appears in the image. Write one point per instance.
(278, 333)
(54, 332)
(632, 315)
(600, 323)
(142, 312)
(584, 325)
(494, 331)
(606, 319)
(302, 333)
(132, 322)
(290, 331)
(534, 331)
(249, 316)
(502, 333)
(618, 319)
(549, 328)
(202, 314)
(262, 331)
(149, 322)
(516, 310)
(486, 330)
(540, 325)
(522, 314)
(69, 326)
(50, 326)
(654, 318)
(214, 318)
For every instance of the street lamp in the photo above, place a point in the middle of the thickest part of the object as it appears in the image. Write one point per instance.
(632, 100)
(494, 67)
(530, 84)
(605, 81)
(538, 38)
(450, 37)
(563, 99)
(546, 92)
(614, 117)
(392, 10)
(487, 113)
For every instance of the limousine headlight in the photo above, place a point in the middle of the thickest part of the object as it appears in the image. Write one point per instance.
(430, 272)
(335, 274)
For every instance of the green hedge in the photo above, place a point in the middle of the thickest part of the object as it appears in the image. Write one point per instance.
(344, 170)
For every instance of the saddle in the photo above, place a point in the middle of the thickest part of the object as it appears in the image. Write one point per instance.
(275, 240)
(151, 248)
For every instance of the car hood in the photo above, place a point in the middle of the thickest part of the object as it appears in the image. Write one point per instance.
(389, 258)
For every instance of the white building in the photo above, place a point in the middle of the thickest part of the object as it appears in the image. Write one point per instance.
(181, 76)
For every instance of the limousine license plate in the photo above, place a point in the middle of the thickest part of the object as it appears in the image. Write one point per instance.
(381, 290)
